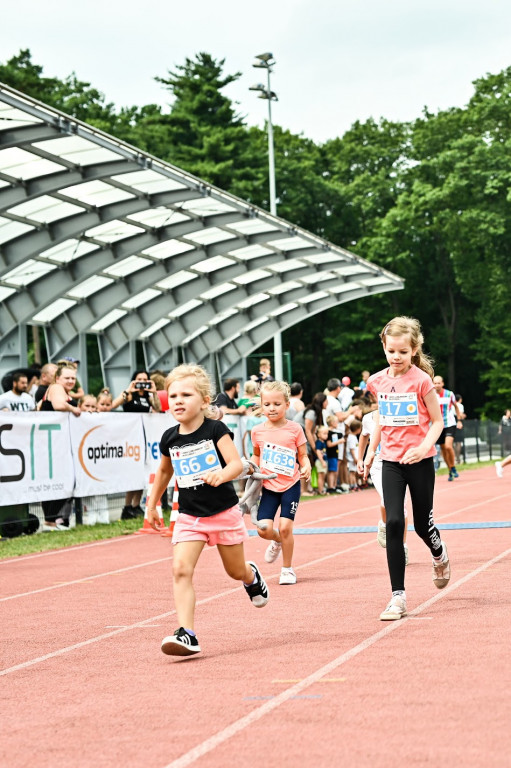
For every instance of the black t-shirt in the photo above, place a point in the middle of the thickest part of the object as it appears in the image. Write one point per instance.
(201, 500)
(40, 392)
(139, 403)
(224, 399)
(333, 452)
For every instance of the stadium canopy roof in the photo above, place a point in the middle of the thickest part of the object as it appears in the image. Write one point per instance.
(98, 237)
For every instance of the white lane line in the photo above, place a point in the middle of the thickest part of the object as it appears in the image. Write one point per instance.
(239, 725)
(84, 580)
(72, 548)
(142, 624)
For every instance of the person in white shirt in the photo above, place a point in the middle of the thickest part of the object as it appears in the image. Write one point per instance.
(17, 398)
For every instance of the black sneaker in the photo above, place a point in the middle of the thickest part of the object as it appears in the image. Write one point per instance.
(258, 591)
(128, 513)
(181, 643)
(138, 511)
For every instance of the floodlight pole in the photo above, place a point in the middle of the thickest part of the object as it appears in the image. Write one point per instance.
(266, 61)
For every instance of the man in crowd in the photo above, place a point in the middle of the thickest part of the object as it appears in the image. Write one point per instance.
(46, 378)
(451, 415)
(226, 400)
(17, 398)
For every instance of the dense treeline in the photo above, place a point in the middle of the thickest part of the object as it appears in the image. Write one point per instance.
(429, 200)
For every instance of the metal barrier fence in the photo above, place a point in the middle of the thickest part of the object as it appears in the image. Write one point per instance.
(481, 441)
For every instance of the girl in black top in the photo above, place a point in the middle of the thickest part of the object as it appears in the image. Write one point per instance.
(201, 454)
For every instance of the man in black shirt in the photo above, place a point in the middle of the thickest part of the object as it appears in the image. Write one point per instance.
(225, 400)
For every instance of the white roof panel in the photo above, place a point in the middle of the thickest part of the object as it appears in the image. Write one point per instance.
(68, 250)
(172, 281)
(183, 309)
(90, 286)
(141, 298)
(77, 150)
(112, 231)
(96, 193)
(11, 118)
(155, 327)
(108, 319)
(209, 235)
(24, 165)
(148, 182)
(45, 209)
(27, 272)
(54, 310)
(158, 217)
(127, 266)
(168, 248)
(10, 229)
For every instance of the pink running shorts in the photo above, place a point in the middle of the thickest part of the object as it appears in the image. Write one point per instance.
(227, 527)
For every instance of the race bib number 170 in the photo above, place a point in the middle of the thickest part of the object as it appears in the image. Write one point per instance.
(398, 409)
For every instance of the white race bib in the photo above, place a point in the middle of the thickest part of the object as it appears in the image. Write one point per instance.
(277, 458)
(193, 461)
(398, 409)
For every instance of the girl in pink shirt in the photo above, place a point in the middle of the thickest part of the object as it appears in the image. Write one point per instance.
(279, 446)
(408, 423)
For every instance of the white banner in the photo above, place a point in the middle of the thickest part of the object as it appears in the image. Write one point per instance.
(45, 456)
(35, 457)
(108, 452)
(155, 424)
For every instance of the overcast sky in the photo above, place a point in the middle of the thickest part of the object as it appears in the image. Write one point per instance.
(337, 61)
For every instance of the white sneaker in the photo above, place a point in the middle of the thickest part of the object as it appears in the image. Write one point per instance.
(287, 576)
(405, 547)
(499, 469)
(272, 551)
(381, 536)
(396, 609)
(442, 571)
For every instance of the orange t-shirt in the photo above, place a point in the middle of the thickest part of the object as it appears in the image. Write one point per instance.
(403, 414)
(277, 449)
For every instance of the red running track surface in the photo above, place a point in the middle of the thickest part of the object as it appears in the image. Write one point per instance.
(314, 678)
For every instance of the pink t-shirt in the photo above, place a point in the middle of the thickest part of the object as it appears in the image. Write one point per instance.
(404, 417)
(277, 449)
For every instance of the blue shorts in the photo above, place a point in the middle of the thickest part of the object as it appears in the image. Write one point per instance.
(332, 464)
(286, 500)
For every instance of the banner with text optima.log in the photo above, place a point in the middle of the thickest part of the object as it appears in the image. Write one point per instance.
(46, 456)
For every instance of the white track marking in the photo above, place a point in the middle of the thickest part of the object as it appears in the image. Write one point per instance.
(71, 548)
(239, 725)
(85, 579)
(140, 624)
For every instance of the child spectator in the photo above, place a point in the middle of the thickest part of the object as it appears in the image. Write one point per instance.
(88, 404)
(321, 463)
(352, 451)
(250, 397)
(334, 440)
(104, 401)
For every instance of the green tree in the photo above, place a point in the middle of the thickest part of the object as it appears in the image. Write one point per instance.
(206, 136)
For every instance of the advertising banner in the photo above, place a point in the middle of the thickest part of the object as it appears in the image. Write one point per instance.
(155, 424)
(35, 457)
(108, 453)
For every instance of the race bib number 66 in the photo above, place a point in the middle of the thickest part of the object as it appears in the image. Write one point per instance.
(193, 461)
(398, 409)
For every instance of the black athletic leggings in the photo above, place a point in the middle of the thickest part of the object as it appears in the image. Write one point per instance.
(420, 478)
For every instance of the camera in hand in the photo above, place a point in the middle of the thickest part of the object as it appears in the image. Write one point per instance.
(142, 385)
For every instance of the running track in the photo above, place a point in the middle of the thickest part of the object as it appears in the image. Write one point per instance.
(312, 679)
